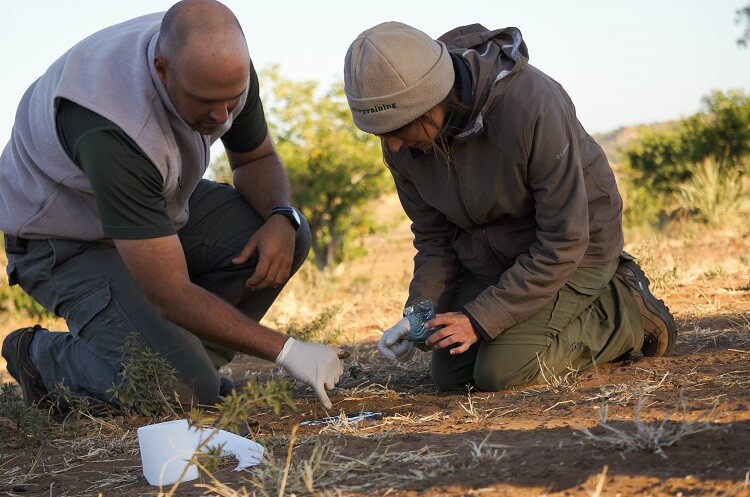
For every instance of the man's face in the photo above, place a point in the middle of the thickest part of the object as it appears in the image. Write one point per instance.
(204, 97)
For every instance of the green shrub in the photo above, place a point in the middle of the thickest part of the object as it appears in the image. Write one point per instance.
(147, 381)
(25, 425)
(715, 195)
(642, 205)
(322, 329)
(682, 166)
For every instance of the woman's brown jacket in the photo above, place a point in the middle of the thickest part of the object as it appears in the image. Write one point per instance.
(524, 199)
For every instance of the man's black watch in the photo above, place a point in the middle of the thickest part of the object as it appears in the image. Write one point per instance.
(290, 212)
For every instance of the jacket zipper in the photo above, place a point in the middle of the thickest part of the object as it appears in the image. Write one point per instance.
(461, 203)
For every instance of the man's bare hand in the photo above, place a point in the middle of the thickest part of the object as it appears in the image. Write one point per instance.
(457, 332)
(274, 244)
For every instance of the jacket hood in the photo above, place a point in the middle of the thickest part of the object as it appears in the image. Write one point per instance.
(493, 57)
(474, 35)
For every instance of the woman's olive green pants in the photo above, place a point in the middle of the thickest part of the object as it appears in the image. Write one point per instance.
(593, 319)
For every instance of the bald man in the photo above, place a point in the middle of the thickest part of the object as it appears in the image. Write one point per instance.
(109, 224)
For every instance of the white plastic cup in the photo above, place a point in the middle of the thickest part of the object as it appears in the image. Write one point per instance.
(166, 449)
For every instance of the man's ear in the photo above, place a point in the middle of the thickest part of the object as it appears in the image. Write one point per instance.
(161, 69)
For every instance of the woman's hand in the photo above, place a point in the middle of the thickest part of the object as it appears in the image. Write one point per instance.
(457, 332)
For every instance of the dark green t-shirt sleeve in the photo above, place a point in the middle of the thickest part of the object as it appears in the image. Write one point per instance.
(249, 129)
(127, 185)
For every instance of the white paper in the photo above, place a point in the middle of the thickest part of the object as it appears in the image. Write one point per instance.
(247, 452)
(166, 449)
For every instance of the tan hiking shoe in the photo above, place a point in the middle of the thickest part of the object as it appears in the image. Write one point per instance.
(16, 353)
(660, 330)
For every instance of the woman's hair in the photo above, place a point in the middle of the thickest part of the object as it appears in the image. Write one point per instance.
(452, 104)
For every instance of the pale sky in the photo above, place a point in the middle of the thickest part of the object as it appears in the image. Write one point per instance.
(623, 62)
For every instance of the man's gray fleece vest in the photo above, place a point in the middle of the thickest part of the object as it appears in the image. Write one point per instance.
(43, 194)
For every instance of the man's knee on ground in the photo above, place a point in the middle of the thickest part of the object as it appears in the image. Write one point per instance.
(203, 390)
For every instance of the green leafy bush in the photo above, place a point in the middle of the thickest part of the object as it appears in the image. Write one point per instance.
(322, 329)
(147, 380)
(665, 166)
(25, 425)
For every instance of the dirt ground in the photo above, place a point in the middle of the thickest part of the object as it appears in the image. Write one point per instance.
(673, 426)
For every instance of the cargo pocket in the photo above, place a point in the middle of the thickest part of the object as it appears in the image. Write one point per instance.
(572, 299)
(89, 313)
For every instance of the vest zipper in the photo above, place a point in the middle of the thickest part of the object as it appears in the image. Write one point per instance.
(206, 152)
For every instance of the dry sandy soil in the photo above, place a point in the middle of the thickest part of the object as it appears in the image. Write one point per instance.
(673, 426)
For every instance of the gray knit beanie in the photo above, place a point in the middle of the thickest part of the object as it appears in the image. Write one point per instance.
(393, 74)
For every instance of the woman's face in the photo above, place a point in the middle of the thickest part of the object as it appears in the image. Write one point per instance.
(420, 133)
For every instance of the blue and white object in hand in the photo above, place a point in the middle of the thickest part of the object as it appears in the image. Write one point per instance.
(418, 315)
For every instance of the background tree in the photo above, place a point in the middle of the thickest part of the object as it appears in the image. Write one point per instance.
(722, 131)
(335, 170)
(663, 159)
(663, 156)
(655, 159)
(220, 171)
(743, 17)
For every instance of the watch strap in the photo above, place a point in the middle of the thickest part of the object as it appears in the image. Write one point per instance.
(288, 212)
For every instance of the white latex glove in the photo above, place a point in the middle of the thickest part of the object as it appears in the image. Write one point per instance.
(316, 364)
(396, 344)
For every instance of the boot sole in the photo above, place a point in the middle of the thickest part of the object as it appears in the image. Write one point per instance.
(652, 309)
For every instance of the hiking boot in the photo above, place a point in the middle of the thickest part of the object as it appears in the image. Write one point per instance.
(660, 330)
(16, 353)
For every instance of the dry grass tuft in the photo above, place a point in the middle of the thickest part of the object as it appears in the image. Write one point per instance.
(327, 470)
(642, 436)
(737, 335)
(484, 452)
(475, 414)
(624, 393)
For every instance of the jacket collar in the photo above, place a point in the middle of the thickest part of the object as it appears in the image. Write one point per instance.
(457, 118)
